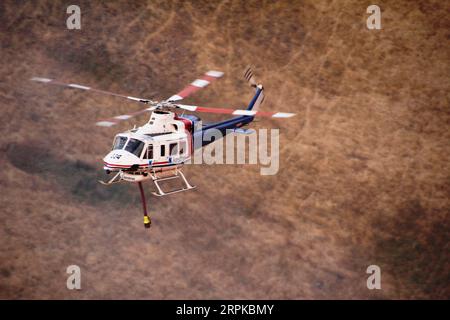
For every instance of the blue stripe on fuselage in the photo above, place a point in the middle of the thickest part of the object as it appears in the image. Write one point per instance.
(222, 126)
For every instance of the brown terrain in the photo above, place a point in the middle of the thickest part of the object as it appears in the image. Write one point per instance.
(364, 165)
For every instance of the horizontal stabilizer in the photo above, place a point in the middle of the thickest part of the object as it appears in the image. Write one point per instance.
(244, 131)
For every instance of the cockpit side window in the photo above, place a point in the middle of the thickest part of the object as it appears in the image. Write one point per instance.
(149, 153)
(135, 146)
(119, 142)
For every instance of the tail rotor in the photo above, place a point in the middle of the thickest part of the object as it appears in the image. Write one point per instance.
(250, 77)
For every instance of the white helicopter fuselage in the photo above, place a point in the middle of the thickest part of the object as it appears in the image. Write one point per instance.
(164, 143)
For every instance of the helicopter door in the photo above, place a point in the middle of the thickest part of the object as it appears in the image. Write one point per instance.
(173, 152)
(173, 149)
(178, 151)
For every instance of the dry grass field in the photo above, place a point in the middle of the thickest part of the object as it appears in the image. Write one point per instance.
(364, 165)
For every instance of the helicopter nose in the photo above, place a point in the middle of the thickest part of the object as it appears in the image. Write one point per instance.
(120, 159)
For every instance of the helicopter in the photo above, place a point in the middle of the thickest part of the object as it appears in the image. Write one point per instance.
(158, 149)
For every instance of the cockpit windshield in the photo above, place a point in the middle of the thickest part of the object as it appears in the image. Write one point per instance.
(135, 146)
(119, 143)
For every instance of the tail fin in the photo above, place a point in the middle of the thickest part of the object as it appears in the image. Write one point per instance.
(259, 95)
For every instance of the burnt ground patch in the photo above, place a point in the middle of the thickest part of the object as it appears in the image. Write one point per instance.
(414, 252)
(74, 176)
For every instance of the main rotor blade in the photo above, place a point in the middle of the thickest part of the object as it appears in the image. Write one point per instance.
(81, 87)
(196, 85)
(115, 120)
(238, 112)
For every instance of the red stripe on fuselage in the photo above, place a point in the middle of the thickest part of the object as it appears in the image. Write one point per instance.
(128, 166)
(164, 162)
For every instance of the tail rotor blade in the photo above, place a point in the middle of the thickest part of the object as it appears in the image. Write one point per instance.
(248, 75)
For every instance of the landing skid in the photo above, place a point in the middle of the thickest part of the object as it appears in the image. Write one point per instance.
(158, 177)
(117, 178)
